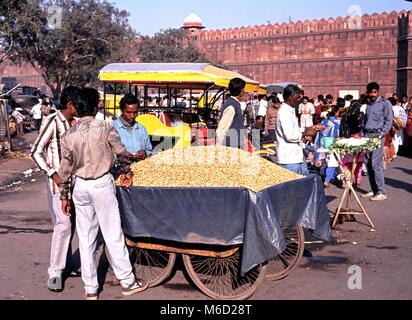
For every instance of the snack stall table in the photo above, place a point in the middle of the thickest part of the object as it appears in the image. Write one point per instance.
(353, 147)
(228, 236)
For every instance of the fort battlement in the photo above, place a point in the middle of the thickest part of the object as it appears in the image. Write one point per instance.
(304, 27)
(325, 55)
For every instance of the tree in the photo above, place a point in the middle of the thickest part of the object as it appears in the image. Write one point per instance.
(14, 19)
(169, 46)
(92, 33)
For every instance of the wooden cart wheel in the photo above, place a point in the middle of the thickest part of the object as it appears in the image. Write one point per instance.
(152, 265)
(219, 278)
(282, 265)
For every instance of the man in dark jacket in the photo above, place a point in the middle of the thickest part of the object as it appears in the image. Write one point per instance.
(231, 131)
(377, 123)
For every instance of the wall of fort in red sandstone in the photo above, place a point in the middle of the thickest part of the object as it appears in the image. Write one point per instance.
(325, 55)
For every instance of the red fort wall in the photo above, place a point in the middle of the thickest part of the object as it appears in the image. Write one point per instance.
(324, 55)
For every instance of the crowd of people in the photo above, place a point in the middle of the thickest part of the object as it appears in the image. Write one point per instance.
(300, 128)
(78, 153)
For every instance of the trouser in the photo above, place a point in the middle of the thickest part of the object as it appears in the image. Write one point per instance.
(37, 124)
(19, 128)
(299, 168)
(63, 230)
(374, 163)
(330, 174)
(271, 138)
(96, 205)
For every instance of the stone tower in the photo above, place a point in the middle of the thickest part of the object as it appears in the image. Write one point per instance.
(193, 26)
(404, 83)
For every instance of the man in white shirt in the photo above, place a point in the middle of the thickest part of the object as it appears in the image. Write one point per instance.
(263, 106)
(37, 114)
(289, 136)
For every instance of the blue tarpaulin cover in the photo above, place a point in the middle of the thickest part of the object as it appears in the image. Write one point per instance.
(227, 216)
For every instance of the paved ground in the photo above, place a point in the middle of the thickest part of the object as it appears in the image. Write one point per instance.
(384, 256)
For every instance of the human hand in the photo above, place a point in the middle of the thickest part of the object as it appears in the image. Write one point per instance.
(66, 207)
(56, 178)
(141, 155)
(126, 180)
(319, 127)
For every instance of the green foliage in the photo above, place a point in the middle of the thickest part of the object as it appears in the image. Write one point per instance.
(93, 33)
(343, 148)
(169, 45)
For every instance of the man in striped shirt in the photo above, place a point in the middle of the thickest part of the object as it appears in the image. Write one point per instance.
(46, 153)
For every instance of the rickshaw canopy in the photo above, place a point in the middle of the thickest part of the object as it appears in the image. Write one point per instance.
(195, 75)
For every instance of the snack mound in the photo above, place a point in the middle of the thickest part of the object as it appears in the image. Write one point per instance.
(213, 166)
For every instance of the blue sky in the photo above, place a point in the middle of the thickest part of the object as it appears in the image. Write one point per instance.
(149, 16)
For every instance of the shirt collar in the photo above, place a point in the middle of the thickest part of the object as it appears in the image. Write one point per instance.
(61, 116)
(377, 100)
(86, 119)
(123, 125)
(288, 107)
(234, 98)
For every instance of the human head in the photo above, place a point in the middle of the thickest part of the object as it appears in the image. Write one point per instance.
(276, 102)
(88, 102)
(340, 103)
(236, 87)
(259, 121)
(129, 106)
(321, 97)
(305, 100)
(393, 101)
(69, 99)
(404, 98)
(292, 95)
(373, 91)
(329, 99)
(349, 97)
(395, 95)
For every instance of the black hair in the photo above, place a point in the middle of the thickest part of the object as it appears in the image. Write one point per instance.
(329, 97)
(305, 98)
(393, 101)
(128, 99)
(236, 85)
(372, 86)
(334, 111)
(275, 99)
(349, 97)
(259, 117)
(321, 97)
(88, 102)
(69, 94)
(290, 91)
(340, 103)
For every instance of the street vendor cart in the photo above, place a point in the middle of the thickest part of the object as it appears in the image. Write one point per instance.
(229, 238)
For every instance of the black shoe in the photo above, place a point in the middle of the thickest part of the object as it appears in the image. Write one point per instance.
(73, 274)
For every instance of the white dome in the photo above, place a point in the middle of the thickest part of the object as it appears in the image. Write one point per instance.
(193, 21)
(193, 18)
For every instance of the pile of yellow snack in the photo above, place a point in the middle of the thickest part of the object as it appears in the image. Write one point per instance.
(211, 166)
